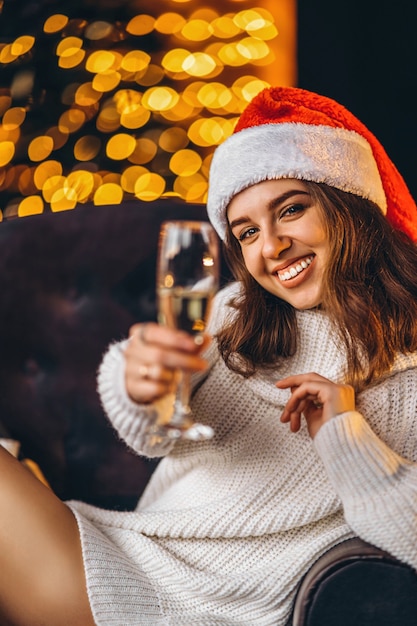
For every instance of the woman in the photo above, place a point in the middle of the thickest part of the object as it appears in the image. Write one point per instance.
(309, 381)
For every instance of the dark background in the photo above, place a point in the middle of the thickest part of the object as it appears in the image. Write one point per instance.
(363, 53)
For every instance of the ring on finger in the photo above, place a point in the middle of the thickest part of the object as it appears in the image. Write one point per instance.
(143, 371)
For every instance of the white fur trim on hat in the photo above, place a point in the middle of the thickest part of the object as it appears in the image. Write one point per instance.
(338, 157)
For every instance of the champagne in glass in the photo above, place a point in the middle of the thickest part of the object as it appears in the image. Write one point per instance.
(187, 279)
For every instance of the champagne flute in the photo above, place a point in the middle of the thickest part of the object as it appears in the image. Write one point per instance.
(187, 279)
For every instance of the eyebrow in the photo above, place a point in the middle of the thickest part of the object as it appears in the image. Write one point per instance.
(272, 204)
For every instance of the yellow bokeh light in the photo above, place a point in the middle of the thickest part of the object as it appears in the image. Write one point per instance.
(169, 23)
(127, 100)
(6, 55)
(55, 23)
(59, 137)
(211, 131)
(160, 98)
(106, 81)
(183, 110)
(249, 88)
(108, 120)
(199, 64)
(51, 185)
(31, 205)
(140, 25)
(191, 188)
(252, 49)
(151, 76)
(80, 183)
(120, 146)
(173, 60)
(87, 148)
(135, 61)
(135, 117)
(10, 135)
(214, 95)
(224, 27)
(197, 30)
(185, 162)
(13, 118)
(69, 46)
(25, 184)
(100, 61)
(149, 187)
(86, 95)
(63, 199)
(130, 176)
(45, 171)
(229, 54)
(22, 45)
(108, 193)
(267, 32)
(68, 61)
(71, 121)
(173, 139)
(144, 151)
(40, 148)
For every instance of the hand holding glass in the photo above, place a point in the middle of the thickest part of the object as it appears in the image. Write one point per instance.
(187, 279)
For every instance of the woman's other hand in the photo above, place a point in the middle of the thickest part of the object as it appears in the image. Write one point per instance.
(315, 397)
(154, 356)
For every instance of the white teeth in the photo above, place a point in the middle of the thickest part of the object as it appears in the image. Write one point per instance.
(296, 269)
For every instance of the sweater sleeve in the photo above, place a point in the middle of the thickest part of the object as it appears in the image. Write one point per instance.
(132, 421)
(377, 486)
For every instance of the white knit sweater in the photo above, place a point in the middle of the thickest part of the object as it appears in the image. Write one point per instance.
(226, 528)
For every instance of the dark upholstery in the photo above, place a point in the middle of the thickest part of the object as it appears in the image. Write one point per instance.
(357, 584)
(70, 284)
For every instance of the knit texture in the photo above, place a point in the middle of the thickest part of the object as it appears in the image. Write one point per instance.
(226, 528)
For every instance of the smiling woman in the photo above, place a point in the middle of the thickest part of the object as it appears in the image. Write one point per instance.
(284, 240)
(307, 376)
(306, 381)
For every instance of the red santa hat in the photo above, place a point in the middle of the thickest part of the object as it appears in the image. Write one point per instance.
(286, 132)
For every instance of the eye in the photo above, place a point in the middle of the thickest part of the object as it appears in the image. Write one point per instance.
(249, 232)
(292, 210)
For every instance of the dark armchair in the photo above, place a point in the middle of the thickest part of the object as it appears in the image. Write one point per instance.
(70, 284)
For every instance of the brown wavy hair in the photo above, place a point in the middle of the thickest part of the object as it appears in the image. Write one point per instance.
(369, 293)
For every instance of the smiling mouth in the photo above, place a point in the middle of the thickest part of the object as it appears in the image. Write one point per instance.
(295, 269)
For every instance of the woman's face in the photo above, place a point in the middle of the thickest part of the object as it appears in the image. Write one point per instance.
(283, 239)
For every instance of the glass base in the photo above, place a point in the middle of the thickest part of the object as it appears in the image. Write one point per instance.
(191, 431)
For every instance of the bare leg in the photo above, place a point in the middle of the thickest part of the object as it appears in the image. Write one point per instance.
(42, 581)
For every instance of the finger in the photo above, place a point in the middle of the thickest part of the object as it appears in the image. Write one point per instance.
(145, 390)
(295, 421)
(298, 379)
(150, 333)
(294, 416)
(156, 372)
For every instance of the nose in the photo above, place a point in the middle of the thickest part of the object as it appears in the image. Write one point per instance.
(274, 243)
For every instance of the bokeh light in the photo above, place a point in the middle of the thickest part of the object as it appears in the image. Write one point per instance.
(129, 99)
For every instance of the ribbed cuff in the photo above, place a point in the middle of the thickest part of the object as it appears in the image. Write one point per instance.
(356, 460)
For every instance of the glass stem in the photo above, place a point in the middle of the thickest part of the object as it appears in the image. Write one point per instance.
(182, 402)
